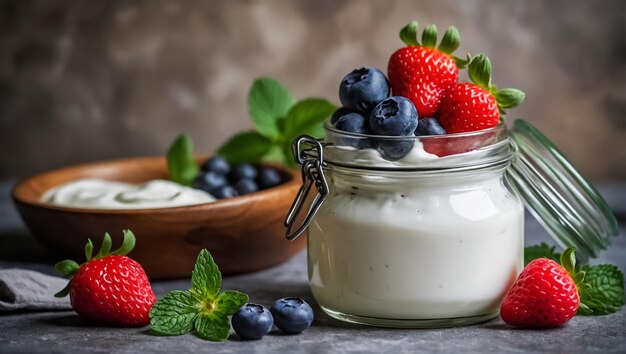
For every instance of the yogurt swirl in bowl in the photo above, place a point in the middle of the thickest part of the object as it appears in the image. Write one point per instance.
(91, 193)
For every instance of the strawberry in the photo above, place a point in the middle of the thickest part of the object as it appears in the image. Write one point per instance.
(477, 105)
(109, 288)
(421, 72)
(545, 294)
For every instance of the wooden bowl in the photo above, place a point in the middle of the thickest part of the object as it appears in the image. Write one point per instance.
(244, 234)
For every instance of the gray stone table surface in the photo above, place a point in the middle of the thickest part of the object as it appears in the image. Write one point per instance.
(65, 332)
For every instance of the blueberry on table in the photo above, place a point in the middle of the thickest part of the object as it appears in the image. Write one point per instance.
(292, 315)
(394, 116)
(244, 170)
(209, 181)
(252, 321)
(216, 164)
(225, 191)
(268, 178)
(363, 88)
(246, 186)
(429, 126)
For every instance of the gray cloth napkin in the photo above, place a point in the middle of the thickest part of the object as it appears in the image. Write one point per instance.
(22, 289)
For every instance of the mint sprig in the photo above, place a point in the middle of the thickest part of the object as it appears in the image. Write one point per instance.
(181, 163)
(202, 308)
(600, 287)
(278, 119)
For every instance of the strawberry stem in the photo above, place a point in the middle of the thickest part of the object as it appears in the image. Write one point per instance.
(408, 34)
(429, 36)
(451, 40)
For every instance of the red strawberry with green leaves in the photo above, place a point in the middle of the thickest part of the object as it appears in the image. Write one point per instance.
(109, 287)
(476, 105)
(423, 72)
(545, 294)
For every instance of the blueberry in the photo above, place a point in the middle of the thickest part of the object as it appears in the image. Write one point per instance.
(209, 181)
(394, 150)
(394, 116)
(216, 164)
(363, 88)
(292, 314)
(338, 113)
(429, 126)
(252, 321)
(225, 191)
(246, 186)
(268, 178)
(351, 122)
(245, 170)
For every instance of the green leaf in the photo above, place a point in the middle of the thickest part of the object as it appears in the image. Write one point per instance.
(605, 291)
(542, 250)
(105, 248)
(64, 291)
(451, 41)
(461, 62)
(268, 101)
(568, 260)
(181, 164)
(211, 327)
(307, 117)
(88, 250)
(509, 97)
(174, 314)
(127, 245)
(67, 267)
(275, 154)
(429, 36)
(408, 34)
(247, 147)
(479, 71)
(229, 302)
(206, 279)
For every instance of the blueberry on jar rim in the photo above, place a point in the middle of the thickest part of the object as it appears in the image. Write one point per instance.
(429, 126)
(363, 88)
(395, 116)
(353, 123)
(341, 111)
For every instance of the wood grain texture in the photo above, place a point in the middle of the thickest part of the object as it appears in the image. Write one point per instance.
(243, 234)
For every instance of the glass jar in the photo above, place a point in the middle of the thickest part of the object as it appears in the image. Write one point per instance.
(401, 237)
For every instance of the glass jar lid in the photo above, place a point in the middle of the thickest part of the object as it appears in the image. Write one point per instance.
(569, 208)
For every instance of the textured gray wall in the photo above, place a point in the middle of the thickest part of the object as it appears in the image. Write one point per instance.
(86, 80)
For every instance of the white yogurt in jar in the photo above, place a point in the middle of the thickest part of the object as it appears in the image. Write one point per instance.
(92, 193)
(402, 247)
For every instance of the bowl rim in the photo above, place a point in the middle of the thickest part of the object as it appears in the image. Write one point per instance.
(292, 183)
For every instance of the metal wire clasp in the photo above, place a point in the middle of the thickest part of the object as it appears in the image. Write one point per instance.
(308, 153)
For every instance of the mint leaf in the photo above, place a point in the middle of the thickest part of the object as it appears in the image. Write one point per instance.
(604, 292)
(275, 154)
(268, 101)
(307, 117)
(229, 302)
(213, 328)
(245, 148)
(174, 314)
(206, 279)
(202, 308)
(181, 164)
(542, 250)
